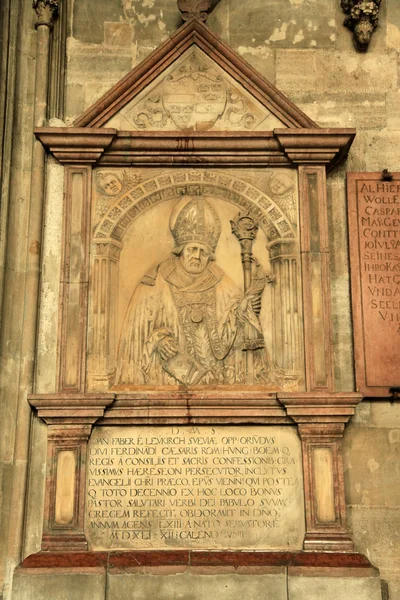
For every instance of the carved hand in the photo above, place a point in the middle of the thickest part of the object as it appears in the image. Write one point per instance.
(168, 347)
(254, 300)
(255, 303)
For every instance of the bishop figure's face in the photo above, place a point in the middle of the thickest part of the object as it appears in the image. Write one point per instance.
(195, 258)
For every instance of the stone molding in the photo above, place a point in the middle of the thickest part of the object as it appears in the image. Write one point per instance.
(193, 33)
(298, 563)
(196, 406)
(281, 147)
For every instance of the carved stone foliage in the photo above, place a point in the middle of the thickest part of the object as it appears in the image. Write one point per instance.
(46, 10)
(188, 310)
(194, 94)
(362, 18)
(198, 9)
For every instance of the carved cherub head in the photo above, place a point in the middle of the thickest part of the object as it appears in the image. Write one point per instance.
(109, 183)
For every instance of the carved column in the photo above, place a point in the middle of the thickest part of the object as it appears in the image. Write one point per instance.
(286, 307)
(102, 333)
(70, 419)
(321, 419)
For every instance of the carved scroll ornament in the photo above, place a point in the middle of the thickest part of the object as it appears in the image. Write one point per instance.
(198, 9)
(362, 19)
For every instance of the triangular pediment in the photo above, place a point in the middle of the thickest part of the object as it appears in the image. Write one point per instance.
(194, 83)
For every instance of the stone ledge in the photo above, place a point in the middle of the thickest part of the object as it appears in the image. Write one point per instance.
(348, 564)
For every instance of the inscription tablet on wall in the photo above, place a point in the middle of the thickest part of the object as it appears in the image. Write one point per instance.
(374, 225)
(195, 487)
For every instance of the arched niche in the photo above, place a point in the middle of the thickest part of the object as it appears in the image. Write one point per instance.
(280, 227)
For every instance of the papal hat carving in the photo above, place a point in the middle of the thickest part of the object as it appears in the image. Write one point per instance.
(195, 220)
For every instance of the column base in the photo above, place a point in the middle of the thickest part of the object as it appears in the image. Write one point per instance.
(64, 543)
(328, 542)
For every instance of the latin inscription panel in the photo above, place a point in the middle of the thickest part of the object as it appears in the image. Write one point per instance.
(207, 487)
(375, 250)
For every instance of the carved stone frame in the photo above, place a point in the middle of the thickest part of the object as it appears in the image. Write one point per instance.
(319, 413)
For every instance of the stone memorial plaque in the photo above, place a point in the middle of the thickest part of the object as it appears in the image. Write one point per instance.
(195, 487)
(374, 223)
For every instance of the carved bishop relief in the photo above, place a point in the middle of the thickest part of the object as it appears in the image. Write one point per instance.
(194, 94)
(179, 296)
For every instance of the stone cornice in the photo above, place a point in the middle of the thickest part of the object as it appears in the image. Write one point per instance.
(244, 405)
(281, 147)
(75, 145)
(70, 409)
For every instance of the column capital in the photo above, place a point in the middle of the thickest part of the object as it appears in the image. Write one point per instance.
(320, 409)
(66, 409)
(46, 11)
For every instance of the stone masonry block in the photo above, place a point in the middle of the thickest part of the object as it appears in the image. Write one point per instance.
(118, 34)
(334, 588)
(71, 586)
(376, 533)
(372, 468)
(294, 24)
(356, 72)
(196, 587)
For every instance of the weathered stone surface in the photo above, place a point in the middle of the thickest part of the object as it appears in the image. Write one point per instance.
(189, 586)
(366, 476)
(308, 23)
(59, 586)
(340, 296)
(89, 19)
(338, 588)
(376, 533)
(385, 414)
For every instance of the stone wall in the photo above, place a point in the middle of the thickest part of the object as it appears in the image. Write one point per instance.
(300, 46)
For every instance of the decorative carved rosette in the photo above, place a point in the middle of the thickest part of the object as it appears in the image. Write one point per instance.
(46, 10)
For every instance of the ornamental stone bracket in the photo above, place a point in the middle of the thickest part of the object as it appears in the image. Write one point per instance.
(362, 19)
(75, 145)
(46, 11)
(196, 9)
(281, 147)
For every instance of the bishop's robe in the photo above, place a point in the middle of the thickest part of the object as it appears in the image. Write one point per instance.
(201, 312)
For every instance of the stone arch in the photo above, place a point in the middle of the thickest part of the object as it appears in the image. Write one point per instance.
(282, 243)
(274, 222)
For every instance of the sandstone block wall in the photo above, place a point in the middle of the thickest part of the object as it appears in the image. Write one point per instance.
(302, 47)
